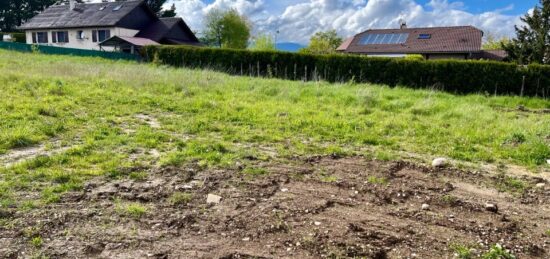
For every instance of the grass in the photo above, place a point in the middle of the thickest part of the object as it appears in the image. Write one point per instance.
(133, 210)
(180, 198)
(90, 106)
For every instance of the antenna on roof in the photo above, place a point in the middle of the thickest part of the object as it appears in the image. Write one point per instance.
(402, 24)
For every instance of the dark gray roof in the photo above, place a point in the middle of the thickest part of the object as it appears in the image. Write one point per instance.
(84, 15)
(159, 30)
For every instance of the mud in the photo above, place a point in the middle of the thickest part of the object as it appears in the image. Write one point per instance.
(311, 207)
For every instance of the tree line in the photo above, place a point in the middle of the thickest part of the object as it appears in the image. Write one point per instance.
(230, 29)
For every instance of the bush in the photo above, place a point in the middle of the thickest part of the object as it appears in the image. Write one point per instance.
(457, 76)
(16, 36)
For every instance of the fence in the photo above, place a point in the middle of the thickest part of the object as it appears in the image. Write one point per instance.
(67, 51)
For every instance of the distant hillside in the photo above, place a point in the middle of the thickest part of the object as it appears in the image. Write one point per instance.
(289, 46)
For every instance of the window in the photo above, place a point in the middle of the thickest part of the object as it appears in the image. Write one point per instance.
(40, 37)
(100, 35)
(60, 36)
(80, 35)
(384, 38)
(424, 36)
(117, 8)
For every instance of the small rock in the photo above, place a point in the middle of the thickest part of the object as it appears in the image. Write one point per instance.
(491, 207)
(284, 190)
(213, 199)
(439, 162)
(317, 223)
(548, 161)
(246, 239)
(540, 185)
(425, 206)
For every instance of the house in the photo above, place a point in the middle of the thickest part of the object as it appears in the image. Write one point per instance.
(460, 42)
(123, 26)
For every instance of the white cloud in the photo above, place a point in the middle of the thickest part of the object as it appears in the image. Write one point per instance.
(300, 19)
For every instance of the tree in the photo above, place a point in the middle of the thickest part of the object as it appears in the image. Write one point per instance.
(170, 12)
(532, 42)
(323, 43)
(264, 42)
(491, 42)
(226, 29)
(14, 12)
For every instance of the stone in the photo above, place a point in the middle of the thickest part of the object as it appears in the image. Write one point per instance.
(491, 207)
(540, 185)
(425, 206)
(440, 162)
(548, 161)
(246, 239)
(213, 199)
(317, 223)
(284, 190)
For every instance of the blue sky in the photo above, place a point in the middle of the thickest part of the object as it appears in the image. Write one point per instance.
(297, 20)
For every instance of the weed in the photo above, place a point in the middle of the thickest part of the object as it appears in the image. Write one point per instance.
(377, 180)
(180, 198)
(511, 184)
(462, 251)
(449, 199)
(37, 241)
(134, 210)
(327, 178)
(138, 176)
(547, 233)
(254, 171)
(498, 252)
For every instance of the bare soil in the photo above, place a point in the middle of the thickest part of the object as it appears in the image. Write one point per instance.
(299, 208)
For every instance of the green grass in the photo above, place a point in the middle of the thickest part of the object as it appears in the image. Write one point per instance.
(133, 210)
(91, 107)
(180, 198)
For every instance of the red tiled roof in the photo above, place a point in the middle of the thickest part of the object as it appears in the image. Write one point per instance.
(345, 44)
(462, 39)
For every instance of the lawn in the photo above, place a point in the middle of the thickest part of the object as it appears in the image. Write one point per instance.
(85, 117)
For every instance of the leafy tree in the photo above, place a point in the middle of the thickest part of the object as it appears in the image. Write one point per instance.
(170, 12)
(264, 42)
(323, 43)
(491, 42)
(14, 12)
(227, 29)
(532, 42)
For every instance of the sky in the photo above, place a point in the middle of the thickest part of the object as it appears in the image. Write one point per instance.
(297, 20)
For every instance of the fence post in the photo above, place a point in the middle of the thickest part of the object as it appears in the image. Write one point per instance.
(258, 65)
(305, 75)
(522, 86)
(295, 68)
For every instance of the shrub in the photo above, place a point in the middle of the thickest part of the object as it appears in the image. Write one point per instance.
(457, 76)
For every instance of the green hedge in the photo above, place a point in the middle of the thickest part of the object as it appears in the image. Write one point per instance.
(449, 75)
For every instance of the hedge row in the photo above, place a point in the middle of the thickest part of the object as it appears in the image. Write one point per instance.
(449, 75)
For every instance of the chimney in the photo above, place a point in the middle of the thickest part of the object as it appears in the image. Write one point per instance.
(72, 4)
(402, 24)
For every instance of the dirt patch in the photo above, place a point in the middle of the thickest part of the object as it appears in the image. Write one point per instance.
(303, 208)
(19, 155)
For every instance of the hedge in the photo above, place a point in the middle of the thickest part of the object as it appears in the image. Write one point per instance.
(457, 76)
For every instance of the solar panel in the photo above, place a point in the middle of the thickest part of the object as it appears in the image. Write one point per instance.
(384, 38)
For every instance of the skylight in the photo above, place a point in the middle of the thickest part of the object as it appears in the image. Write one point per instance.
(118, 7)
(102, 8)
(384, 38)
(424, 36)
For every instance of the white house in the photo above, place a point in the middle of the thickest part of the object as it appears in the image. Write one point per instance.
(124, 26)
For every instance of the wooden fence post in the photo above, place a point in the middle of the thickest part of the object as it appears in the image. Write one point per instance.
(522, 86)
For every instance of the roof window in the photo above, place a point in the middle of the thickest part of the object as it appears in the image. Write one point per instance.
(102, 8)
(424, 36)
(118, 7)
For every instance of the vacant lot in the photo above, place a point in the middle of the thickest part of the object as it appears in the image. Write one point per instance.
(116, 159)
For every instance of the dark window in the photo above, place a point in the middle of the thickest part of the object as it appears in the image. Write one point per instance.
(34, 37)
(63, 36)
(60, 36)
(80, 35)
(103, 35)
(41, 37)
(424, 36)
(94, 36)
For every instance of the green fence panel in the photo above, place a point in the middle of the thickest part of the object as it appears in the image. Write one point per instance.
(67, 51)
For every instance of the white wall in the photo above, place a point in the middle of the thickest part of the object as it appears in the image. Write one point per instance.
(85, 43)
